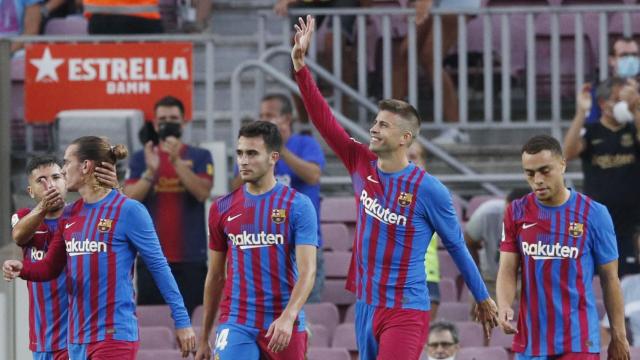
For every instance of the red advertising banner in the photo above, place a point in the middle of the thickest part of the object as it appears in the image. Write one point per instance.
(105, 76)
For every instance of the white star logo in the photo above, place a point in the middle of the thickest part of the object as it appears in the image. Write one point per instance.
(47, 66)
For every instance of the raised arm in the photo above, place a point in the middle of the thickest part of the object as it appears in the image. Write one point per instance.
(213, 286)
(573, 141)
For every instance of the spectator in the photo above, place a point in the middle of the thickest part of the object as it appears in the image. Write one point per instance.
(110, 17)
(300, 166)
(630, 286)
(610, 153)
(443, 343)
(173, 180)
(417, 155)
(624, 61)
(19, 17)
(484, 231)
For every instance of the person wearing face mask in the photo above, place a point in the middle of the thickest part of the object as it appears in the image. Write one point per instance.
(624, 61)
(610, 154)
(443, 342)
(173, 180)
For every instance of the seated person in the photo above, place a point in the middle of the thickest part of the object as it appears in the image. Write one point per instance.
(443, 343)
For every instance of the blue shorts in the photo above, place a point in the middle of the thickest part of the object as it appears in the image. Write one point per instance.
(390, 334)
(51, 355)
(234, 341)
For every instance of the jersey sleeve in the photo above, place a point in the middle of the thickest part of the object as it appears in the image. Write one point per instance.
(15, 218)
(604, 248)
(217, 239)
(137, 166)
(203, 167)
(53, 263)
(347, 149)
(304, 221)
(140, 231)
(509, 241)
(437, 202)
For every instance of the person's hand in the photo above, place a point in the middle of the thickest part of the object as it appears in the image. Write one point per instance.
(302, 40)
(630, 94)
(618, 349)
(505, 317)
(11, 269)
(487, 315)
(106, 175)
(151, 158)
(280, 333)
(52, 199)
(204, 350)
(281, 8)
(583, 99)
(186, 341)
(172, 145)
(422, 11)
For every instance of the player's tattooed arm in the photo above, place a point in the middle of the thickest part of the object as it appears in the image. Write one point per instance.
(614, 304)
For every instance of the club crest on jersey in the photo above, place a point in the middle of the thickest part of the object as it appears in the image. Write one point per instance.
(278, 215)
(104, 225)
(576, 229)
(405, 199)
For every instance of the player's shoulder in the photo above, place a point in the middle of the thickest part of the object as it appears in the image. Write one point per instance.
(197, 152)
(518, 206)
(223, 203)
(428, 183)
(595, 208)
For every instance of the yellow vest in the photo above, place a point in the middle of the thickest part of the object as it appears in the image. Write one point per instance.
(431, 262)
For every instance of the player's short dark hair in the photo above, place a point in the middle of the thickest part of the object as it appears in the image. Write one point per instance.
(41, 161)
(440, 326)
(285, 104)
(540, 143)
(403, 109)
(625, 39)
(605, 88)
(517, 193)
(268, 131)
(170, 101)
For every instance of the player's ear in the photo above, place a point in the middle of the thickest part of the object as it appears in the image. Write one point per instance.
(30, 191)
(275, 156)
(87, 166)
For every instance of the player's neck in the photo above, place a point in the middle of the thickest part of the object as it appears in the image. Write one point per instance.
(91, 195)
(561, 198)
(262, 185)
(392, 162)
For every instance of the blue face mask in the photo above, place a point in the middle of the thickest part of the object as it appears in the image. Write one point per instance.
(628, 66)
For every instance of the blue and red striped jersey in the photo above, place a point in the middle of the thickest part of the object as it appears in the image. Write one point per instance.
(99, 242)
(397, 215)
(179, 217)
(559, 249)
(48, 301)
(259, 233)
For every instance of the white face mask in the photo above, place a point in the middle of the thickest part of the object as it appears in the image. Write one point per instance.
(621, 112)
(449, 358)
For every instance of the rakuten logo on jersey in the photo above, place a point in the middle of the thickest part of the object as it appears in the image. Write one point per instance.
(540, 251)
(77, 247)
(250, 240)
(372, 208)
(37, 255)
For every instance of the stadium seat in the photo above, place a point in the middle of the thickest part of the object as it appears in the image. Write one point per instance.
(482, 353)
(335, 292)
(317, 353)
(454, 311)
(345, 337)
(338, 209)
(465, 295)
(350, 315)
(499, 338)
(476, 201)
(448, 292)
(335, 237)
(156, 338)
(471, 334)
(325, 314)
(71, 25)
(336, 264)
(197, 316)
(154, 315)
(448, 268)
(159, 355)
(320, 336)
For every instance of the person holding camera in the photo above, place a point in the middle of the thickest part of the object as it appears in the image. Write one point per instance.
(173, 180)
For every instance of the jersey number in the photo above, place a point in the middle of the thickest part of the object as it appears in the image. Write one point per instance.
(221, 339)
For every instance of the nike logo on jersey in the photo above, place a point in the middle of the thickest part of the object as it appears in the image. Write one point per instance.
(247, 240)
(41, 232)
(526, 226)
(231, 218)
(66, 226)
(370, 178)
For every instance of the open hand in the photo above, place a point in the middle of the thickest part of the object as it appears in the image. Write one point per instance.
(487, 314)
(106, 175)
(280, 333)
(505, 317)
(186, 341)
(302, 40)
